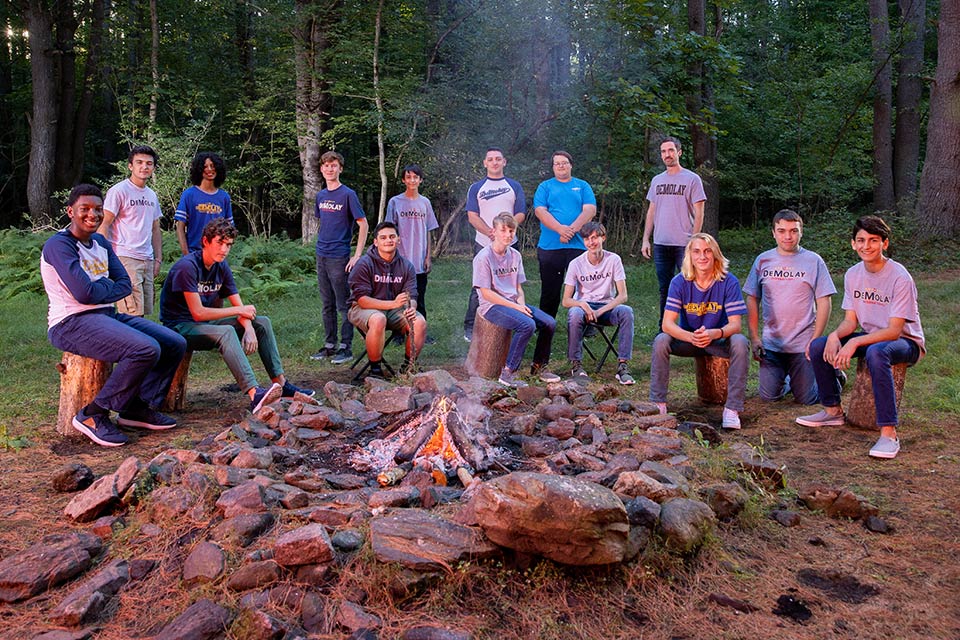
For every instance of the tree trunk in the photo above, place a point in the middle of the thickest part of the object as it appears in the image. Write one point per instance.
(81, 379)
(938, 212)
(66, 31)
(883, 196)
(313, 100)
(154, 64)
(378, 100)
(699, 102)
(906, 138)
(43, 118)
(70, 148)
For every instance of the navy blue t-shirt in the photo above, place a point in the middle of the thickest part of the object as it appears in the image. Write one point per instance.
(189, 274)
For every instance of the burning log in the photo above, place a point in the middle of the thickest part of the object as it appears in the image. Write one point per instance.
(391, 476)
(413, 444)
(464, 443)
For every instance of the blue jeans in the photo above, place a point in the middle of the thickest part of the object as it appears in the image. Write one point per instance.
(736, 348)
(879, 356)
(523, 327)
(666, 260)
(334, 292)
(776, 366)
(146, 354)
(474, 302)
(620, 316)
(224, 336)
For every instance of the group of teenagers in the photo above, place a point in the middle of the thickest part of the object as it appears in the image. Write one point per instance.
(786, 296)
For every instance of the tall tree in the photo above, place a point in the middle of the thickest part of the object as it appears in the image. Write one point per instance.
(906, 139)
(883, 195)
(699, 100)
(43, 118)
(939, 208)
(311, 39)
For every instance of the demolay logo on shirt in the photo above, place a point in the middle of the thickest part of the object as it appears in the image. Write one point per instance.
(493, 193)
(505, 271)
(871, 296)
(702, 308)
(387, 279)
(779, 273)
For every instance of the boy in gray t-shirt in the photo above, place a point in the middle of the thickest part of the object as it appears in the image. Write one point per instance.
(498, 278)
(880, 297)
(794, 287)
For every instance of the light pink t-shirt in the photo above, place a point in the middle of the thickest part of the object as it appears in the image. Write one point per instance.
(131, 233)
(877, 297)
(504, 274)
(673, 197)
(595, 283)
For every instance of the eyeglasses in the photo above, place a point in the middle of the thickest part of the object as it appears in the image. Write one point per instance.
(561, 164)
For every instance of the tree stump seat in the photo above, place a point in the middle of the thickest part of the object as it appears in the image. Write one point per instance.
(488, 349)
(861, 411)
(81, 379)
(177, 395)
(712, 374)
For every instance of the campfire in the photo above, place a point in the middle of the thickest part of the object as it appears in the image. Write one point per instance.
(438, 440)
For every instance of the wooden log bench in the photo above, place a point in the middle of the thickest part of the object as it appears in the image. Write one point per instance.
(861, 411)
(712, 374)
(81, 379)
(488, 349)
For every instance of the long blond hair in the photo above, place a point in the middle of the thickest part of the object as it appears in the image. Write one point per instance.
(721, 266)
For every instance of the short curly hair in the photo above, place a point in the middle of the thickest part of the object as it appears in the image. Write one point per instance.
(219, 228)
(198, 163)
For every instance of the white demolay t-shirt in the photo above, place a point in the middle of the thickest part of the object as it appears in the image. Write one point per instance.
(595, 283)
(131, 233)
(504, 274)
(673, 197)
(877, 297)
(415, 219)
(787, 286)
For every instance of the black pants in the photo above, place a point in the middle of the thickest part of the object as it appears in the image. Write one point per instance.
(421, 294)
(553, 266)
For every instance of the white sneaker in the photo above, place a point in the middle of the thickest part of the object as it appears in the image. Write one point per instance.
(886, 448)
(662, 406)
(731, 419)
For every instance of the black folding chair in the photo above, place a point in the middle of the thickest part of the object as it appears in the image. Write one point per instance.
(387, 369)
(608, 344)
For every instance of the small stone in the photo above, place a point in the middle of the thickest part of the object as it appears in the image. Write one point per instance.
(201, 620)
(562, 429)
(877, 525)
(531, 395)
(347, 540)
(553, 411)
(255, 575)
(353, 617)
(309, 544)
(204, 564)
(525, 424)
(817, 497)
(72, 477)
(241, 500)
(786, 518)
(685, 523)
(727, 500)
(642, 511)
(243, 529)
(106, 526)
(404, 496)
(506, 404)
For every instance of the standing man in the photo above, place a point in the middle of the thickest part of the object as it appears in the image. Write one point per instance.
(338, 207)
(413, 216)
(879, 297)
(383, 296)
(563, 204)
(203, 202)
(486, 199)
(675, 213)
(795, 288)
(595, 291)
(191, 305)
(83, 278)
(131, 222)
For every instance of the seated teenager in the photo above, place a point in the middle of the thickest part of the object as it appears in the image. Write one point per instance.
(83, 278)
(194, 288)
(383, 295)
(595, 290)
(703, 316)
(879, 297)
(498, 278)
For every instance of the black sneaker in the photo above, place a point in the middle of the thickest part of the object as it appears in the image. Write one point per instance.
(289, 389)
(376, 371)
(344, 355)
(99, 429)
(323, 354)
(145, 418)
(264, 396)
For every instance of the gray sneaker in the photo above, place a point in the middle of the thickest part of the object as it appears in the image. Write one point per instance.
(821, 419)
(623, 374)
(544, 374)
(886, 448)
(509, 379)
(323, 353)
(344, 355)
(577, 374)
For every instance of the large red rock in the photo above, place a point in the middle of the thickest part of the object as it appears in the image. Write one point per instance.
(568, 520)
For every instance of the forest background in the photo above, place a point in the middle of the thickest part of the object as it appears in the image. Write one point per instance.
(820, 105)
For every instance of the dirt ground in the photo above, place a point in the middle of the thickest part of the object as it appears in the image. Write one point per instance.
(853, 583)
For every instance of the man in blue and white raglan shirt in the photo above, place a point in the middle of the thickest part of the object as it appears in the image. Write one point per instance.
(83, 278)
(486, 199)
(337, 208)
(563, 204)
